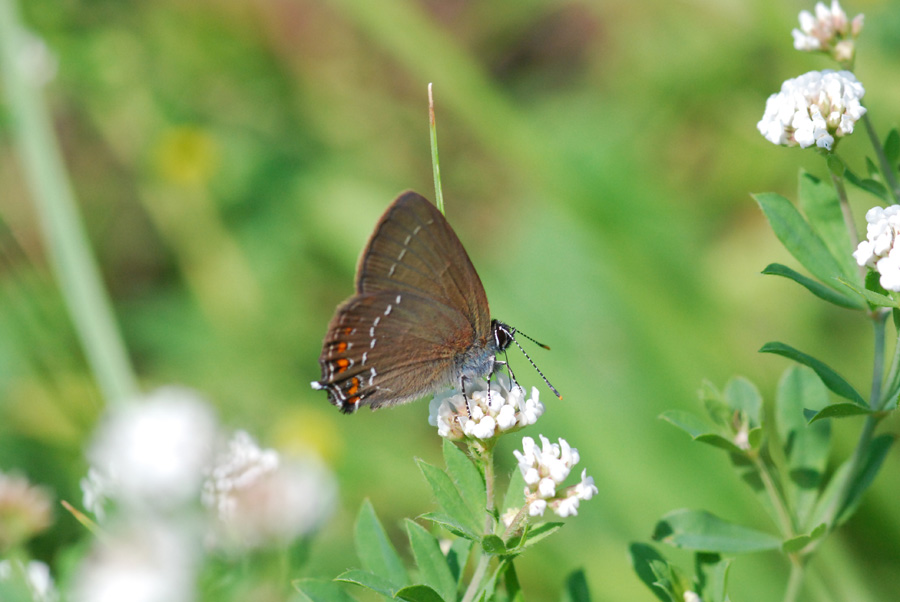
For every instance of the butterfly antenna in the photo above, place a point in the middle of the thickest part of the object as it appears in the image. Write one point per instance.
(538, 343)
(533, 365)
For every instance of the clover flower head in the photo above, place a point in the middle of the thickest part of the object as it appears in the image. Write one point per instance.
(494, 407)
(880, 251)
(259, 497)
(544, 469)
(24, 511)
(828, 31)
(815, 108)
(152, 453)
(148, 562)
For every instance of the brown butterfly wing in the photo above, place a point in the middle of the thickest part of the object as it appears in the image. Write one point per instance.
(413, 249)
(391, 347)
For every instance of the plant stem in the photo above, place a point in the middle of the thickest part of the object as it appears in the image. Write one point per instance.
(838, 182)
(486, 459)
(64, 236)
(784, 517)
(887, 170)
(435, 162)
(795, 581)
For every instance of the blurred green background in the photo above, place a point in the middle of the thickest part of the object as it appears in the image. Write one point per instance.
(232, 157)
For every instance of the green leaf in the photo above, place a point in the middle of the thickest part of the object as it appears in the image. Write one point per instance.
(317, 590)
(699, 430)
(369, 580)
(648, 564)
(875, 455)
(712, 577)
(466, 476)
(831, 378)
(457, 558)
(452, 525)
(576, 588)
(874, 298)
(449, 498)
(873, 187)
(799, 238)
(538, 532)
(420, 593)
(705, 532)
(815, 287)
(892, 148)
(515, 492)
(822, 208)
(511, 581)
(743, 396)
(805, 445)
(795, 544)
(431, 562)
(493, 545)
(837, 410)
(375, 551)
(872, 169)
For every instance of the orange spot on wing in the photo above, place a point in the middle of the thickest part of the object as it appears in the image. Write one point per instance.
(354, 388)
(342, 364)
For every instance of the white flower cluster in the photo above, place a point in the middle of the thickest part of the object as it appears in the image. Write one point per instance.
(156, 459)
(258, 497)
(544, 470)
(828, 31)
(815, 108)
(152, 453)
(496, 408)
(879, 251)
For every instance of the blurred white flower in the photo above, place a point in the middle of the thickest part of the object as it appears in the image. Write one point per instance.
(24, 511)
(879, 250)
(690, 596)
(259, 498)
(495, 410)
(36, 576)
(815, 108)
(828, 31)
(153, 561)
(152, 453)
(544, 469)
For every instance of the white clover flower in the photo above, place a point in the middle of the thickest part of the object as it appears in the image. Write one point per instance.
(828, 31)
(37, 578)
(879, 250)
(25, 510)
(152, 453)
(544, 469)
(153, 561)
(815, 108)
(259, 498)
(495, 410)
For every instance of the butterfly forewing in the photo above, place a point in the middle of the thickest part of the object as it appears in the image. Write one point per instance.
(414, 249)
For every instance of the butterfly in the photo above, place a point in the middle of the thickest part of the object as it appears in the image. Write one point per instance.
(419, 321)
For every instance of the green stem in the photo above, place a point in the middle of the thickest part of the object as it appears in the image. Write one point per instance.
(841, 190)
(485, 455)
(795, 581)
(784, 516)
(893, 374)
(67, 244)
(887, 170)
(435, 162)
